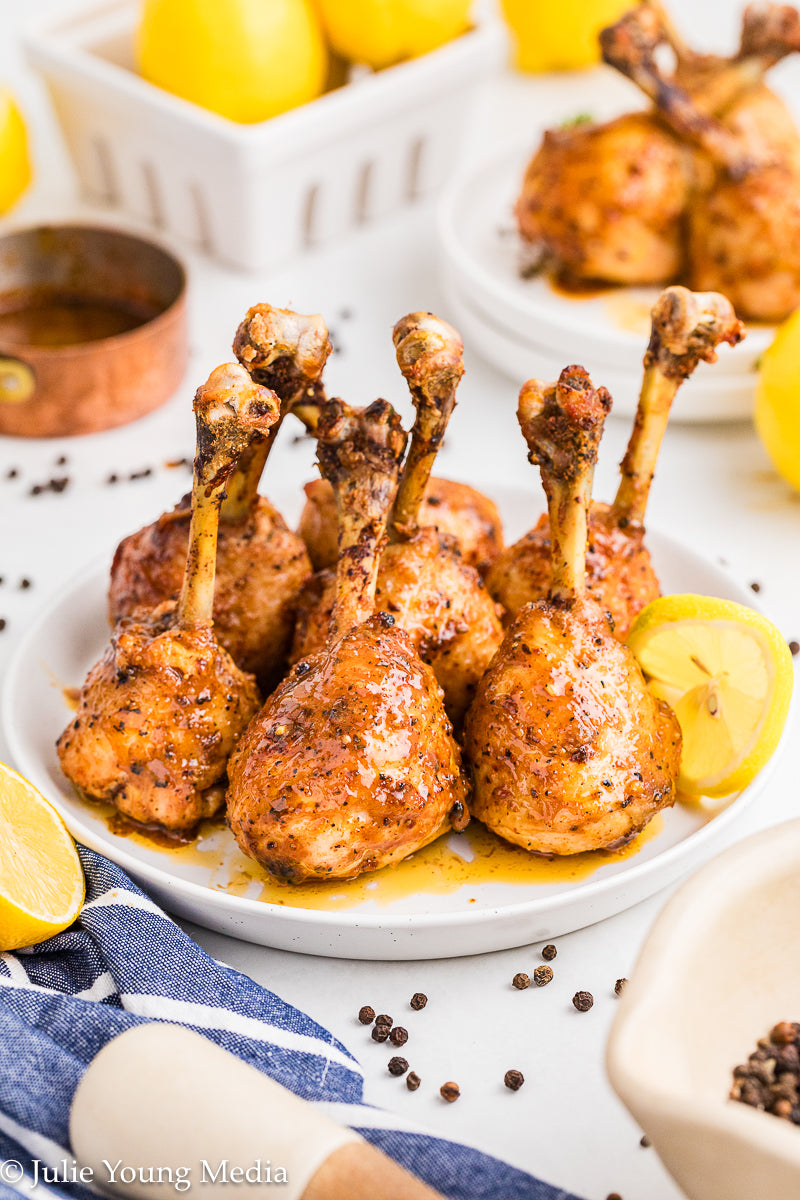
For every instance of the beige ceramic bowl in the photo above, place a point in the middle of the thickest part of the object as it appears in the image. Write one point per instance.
(720, 967)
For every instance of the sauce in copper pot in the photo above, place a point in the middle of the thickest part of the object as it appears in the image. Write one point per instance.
(47, 318)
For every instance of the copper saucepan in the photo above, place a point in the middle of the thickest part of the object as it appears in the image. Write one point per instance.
(92, 329)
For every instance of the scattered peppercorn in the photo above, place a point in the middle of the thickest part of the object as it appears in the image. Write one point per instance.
(52, 485)
(24, 584)
(619, 986)
(380, 1032)
(520, 981)
(384, 1019)
(450, 1091)
(542, 976)
(514, 1080)
(549, 952)
(366, 1015)
(583, 1001)
(644, 1141)
(794, 647)
(12, 473)
(755, 587)
(142, 474)
(398, 1066)
(413, 1081)
(2, 624)
(613, 1196)
(418, 1001)
(62, 460)
(112, 478)
(398, 1036)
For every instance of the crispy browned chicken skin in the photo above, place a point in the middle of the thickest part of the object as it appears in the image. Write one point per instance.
(455, 509)
(686, 328)
(423, 582)
(261, 563)
(568, 749)
(159, 715)
(350, 765)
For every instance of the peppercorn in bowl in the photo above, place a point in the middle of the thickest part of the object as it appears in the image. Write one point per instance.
(708, 1020)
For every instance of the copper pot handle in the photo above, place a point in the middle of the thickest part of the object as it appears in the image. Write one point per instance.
(17, 381)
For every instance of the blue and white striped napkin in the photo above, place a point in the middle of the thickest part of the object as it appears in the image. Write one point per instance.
(125, 962)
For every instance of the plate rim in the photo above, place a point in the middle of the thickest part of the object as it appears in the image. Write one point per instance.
(344, 920)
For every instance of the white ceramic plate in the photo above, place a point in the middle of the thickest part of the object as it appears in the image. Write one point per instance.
(71, 634)
(523, 326)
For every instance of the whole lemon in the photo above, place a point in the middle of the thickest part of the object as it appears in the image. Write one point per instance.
(381, 32)
(777, 414)
(245, 59)
(562, 36)
(15, 164)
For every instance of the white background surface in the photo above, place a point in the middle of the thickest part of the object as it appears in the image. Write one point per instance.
(715, 490)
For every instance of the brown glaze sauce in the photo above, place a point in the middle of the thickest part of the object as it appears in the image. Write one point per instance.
(52, 319)
(464, 860)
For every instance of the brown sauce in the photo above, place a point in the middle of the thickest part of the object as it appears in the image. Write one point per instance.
(51, 319)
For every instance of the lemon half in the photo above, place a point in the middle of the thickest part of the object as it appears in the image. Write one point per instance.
(726, 671)
(41, 881)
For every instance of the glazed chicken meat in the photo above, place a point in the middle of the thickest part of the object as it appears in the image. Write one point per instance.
(568, 749)
(423, 581)
(351, 764)
(704, 187)
(262, 564)
(686, 328)
(159, 715)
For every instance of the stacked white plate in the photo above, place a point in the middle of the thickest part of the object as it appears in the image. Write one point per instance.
(526, 328)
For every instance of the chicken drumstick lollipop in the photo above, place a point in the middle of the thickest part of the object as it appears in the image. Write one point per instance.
(686, 328)
(350, 765)
(744, 219)
(433, 594)
(161, 712)
(569, 750)
(261, 563)
(609, 202)
(455, 509)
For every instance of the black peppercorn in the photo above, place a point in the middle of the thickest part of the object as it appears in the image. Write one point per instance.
(450, 1091)
(794, 647)
(514, 1080)
(380, 1032)
(619, 986)
(398, 1036)
(549, 952)
(418, 1001)
(384, 1019)
(520, 981)
(398, 1066)
(413, 1081)
(366, 1015)
(542, 976)
(583, 1001)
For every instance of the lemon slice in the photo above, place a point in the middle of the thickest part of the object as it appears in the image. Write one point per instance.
(41, 880)
(726, 671)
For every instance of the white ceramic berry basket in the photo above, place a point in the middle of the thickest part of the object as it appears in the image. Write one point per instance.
(255, 196)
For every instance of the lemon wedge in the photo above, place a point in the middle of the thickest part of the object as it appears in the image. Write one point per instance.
(726, 671)
(41, 881)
